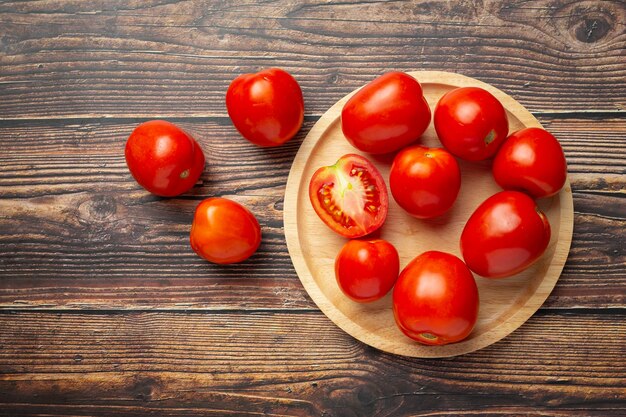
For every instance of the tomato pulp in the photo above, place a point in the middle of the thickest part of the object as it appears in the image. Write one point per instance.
(350, 196)
(163, 158)
(267, 107)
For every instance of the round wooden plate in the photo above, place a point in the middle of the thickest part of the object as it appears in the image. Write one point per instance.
(505, 304)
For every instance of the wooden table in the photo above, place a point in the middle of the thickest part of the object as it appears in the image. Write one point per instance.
(105, 309)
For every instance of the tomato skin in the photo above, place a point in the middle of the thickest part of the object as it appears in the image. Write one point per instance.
(267, 107)
(163, 158)
(435, 300)
(350, 197)
(224, 232)
(385, 115)
(533, 161)
(504, 235)
(471, 123)
(367, 269)
(424, 181)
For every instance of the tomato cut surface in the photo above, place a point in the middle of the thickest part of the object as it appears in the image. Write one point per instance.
(350, 196)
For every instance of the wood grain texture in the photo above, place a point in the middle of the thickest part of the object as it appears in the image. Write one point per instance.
(176, 58)
(131, 322)
(77, 232)
(298, 365)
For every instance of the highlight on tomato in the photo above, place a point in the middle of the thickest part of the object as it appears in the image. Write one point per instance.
(533, 161)
(163, 158)
(505, 235)
(424, 181)
(224, 232)
(471, 123)
(435, 300)
(267, 107)
(350, 197)
(367, 269)
(385, 115)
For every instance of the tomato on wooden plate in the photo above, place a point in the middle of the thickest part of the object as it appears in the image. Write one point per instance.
(350, 196)
(385, 115)
(163, 158)
(435, 300)
(504, 235)
(424, 181)
(224, 232)
(533, 161)
(367, 269)
(267, 107)
(471, 123)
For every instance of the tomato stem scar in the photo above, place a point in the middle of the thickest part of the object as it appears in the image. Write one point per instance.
(490, 137)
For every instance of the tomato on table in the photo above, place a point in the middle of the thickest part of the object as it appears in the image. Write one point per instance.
(424, 181)
(435, 300)
(385, 115)
(267, 107)
(367, 269)
(350, 196)
(471, 123)
(163, 158)
(533, 161)
(224, 232)
(504, 235)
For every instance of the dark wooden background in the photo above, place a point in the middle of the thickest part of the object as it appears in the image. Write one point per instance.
(105, 309)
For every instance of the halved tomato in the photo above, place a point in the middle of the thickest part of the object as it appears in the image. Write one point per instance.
(350, 196)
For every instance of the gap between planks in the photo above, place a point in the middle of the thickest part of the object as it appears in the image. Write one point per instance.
(556, 114)
(10, 310)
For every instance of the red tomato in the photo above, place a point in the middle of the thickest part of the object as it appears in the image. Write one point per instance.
(386, 115)
(224, 232)
(471, 123)
(505, 235)
(424, 181)
(435, 300)
(531, 160)
(163, 158)
(350, 196)
(267, 107)
(367, 269)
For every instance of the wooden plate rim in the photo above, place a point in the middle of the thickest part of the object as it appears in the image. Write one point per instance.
(296, 182)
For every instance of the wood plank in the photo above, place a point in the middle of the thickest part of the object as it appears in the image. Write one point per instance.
(77, 232)
(176, 58)
(298, 364)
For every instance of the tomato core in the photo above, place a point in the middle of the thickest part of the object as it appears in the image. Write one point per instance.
(343, 200)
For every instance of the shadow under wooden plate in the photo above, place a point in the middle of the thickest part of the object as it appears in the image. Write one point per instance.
(505, 304)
